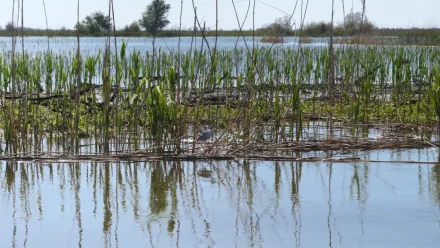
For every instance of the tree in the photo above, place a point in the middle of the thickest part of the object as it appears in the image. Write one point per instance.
(9, 27)
(95, 23)
(317, 29)
(281, 26)
(134, 27)
(353, 23)
(154, 18)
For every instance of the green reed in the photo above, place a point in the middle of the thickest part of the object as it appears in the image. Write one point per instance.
(153, 103)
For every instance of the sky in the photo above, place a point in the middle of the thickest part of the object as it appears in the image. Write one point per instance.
(383, 13)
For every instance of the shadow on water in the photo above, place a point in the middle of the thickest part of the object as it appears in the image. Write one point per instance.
(219, 204)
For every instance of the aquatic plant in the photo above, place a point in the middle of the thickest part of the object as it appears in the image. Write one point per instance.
(257, 95)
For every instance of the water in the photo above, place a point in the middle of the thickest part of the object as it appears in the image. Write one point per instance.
(91, 45)
(223, 204)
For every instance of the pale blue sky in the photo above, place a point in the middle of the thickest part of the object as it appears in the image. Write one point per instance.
(384, 13)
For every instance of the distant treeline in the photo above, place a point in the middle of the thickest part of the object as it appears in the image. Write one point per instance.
(124, 33)
(98, 24)
(315, 30)
(322, 29)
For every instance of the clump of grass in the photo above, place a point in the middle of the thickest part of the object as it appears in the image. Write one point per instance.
(272, 39)
(305, 40)
(363, 40)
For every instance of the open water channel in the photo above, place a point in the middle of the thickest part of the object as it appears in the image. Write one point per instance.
(224, 203)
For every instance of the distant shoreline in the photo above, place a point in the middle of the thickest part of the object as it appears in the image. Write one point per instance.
(171, 33)
(409, 37)
(221, 33)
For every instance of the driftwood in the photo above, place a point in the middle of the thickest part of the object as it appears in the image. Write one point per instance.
(214, 95)
(37, 99)
(256, 151)
(71, 95)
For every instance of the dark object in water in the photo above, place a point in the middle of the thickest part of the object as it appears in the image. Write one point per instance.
(207, 134)
(204, 173)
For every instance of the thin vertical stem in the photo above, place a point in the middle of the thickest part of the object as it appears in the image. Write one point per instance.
(12, 137)
(26, 84)
(178, 53)
(253, 29)
(74, 139)
(116, 97)
(332, 73)
(332, 68)
(47, 26)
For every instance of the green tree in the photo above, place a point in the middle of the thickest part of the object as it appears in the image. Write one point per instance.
(281, 27)
(154, 18)
(356, 22)
(94, 23)
(9, 27)
(134, 27)
(317, 29)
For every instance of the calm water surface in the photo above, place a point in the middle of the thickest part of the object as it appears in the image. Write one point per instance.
(222, 204)
(91, 45)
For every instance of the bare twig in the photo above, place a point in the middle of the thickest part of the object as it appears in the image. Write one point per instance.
(47, 26)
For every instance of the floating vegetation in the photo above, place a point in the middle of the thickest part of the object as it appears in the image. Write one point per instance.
(272, 39)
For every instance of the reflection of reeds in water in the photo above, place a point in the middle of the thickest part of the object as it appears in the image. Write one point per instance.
(174, 197)
(435, 183)
(359, 183)
(180, 203)
(359, 189)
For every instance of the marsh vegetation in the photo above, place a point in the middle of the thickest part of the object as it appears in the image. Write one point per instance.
(258, 96)
(104, 141)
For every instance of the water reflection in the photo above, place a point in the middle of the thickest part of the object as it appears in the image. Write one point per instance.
(223, 204)
(435, 182)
